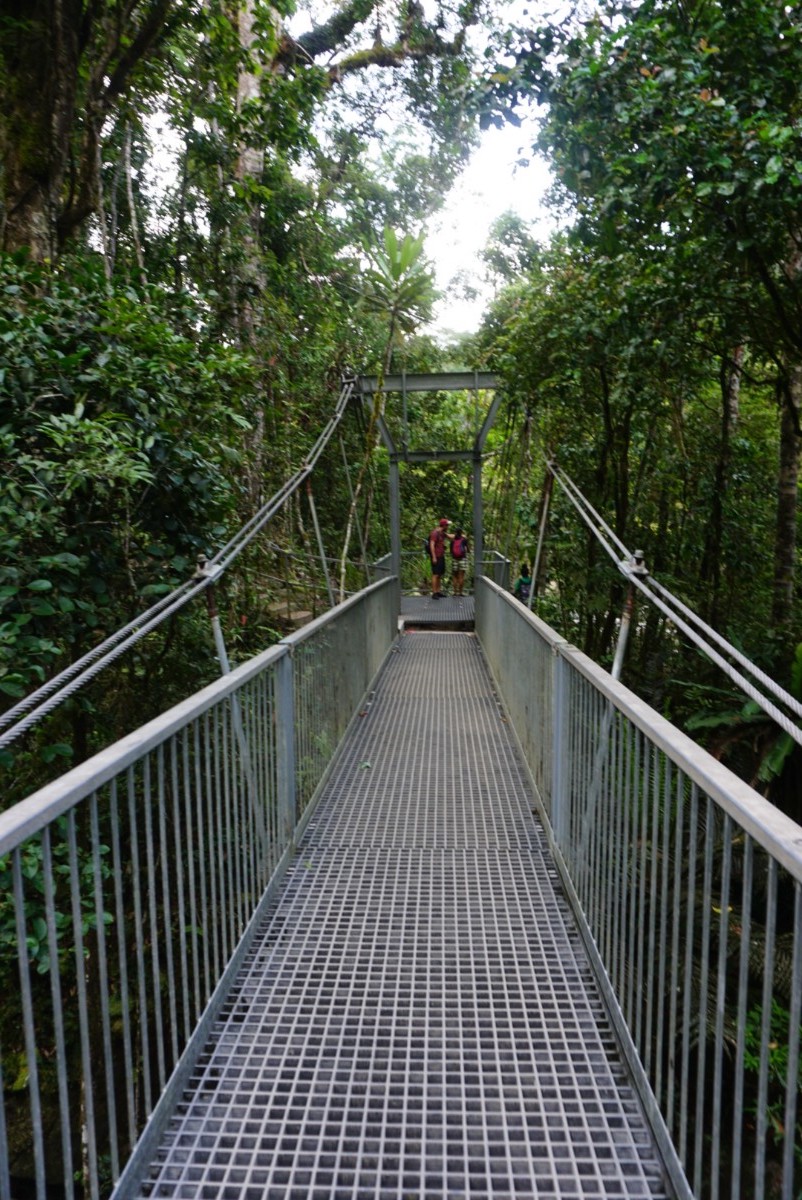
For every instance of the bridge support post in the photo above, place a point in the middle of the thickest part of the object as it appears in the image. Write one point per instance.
(395, 526)
(478, 518)
(285, 747)
(558, 815)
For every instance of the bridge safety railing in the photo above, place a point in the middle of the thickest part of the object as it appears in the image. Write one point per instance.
(128, 889)
(687, 885)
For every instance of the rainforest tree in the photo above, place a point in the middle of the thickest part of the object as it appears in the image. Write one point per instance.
(674, 131)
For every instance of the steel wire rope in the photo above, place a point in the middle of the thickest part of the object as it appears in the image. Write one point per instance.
(72, 678)
(181, 597)
(771, 684)
(42, 692)
(794, 732)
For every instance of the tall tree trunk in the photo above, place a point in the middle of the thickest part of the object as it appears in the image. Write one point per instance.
(787, 501)
(39, 54)
(129, 192)
(710, 570)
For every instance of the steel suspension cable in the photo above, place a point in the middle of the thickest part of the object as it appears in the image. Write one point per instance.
(596, 524)
(72, 678)
(75, 668)
(787, 699)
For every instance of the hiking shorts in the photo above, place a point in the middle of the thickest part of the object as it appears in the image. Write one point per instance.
(439, 566)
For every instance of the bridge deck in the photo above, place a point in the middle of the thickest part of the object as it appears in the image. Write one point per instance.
(417, 1016)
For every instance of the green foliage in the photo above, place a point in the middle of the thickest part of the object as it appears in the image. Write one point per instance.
(777, 1069)
(398, 284)
(120, 437)
(32, 872)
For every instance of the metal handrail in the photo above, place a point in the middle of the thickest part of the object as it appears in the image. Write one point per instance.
(687, 885)
(133, 883)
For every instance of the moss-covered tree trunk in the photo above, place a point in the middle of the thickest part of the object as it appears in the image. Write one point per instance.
(787, 501)
(36, 118)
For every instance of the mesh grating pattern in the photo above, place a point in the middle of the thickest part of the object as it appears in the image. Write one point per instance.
(417, 1017)
(449, 610)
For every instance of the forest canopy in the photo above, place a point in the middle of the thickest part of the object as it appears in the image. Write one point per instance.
(210, 211)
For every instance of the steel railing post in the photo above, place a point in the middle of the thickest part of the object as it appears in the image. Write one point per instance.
(558, 735)
(285, 747)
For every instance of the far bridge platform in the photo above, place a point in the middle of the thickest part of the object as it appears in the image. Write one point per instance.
(417, 1016)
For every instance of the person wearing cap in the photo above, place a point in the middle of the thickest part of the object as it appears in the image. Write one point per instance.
(437, 553)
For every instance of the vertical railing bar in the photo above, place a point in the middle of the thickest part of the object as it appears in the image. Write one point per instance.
(5, 1174)
(583, 698)
(255, 809)
(287, 725)
(652, 950)
(214, 849)
(221, 917)
(167, 909)
(794, 1020)
(236, 840)
(613, 860)
(649, 756)
(229, 914)
(28, 1030)
(249, 814)
(88, 1096)
(575, 715)
(274, 761)
(180, 867)
(665, 861)
(637, 785)
(704, 974)
(693, 836)
(229, 853)
(122, 959)
(765, 1031)
(607, 862)
(721, 999)
(584, 826)
(205, 856)
(190, 758)
(144, 1027)
(562, 814)
(262, 734)
(743, 995)
(103, 981)
(597, 815)
(589, 825)
(58, 1016)
(627, 803)
(619, 911)
(674, 989)
(158, 1023)
(602, 865)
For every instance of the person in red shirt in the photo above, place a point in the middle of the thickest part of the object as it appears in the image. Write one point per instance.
(437, 553)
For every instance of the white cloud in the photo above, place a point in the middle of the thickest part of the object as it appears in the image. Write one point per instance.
(492, 184)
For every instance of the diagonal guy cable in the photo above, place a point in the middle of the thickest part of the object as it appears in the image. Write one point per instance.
(595, 523)
(72, 678)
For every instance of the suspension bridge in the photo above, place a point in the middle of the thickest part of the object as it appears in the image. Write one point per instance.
(419, 901)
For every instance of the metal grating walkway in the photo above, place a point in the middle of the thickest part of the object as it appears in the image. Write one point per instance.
(449, 612)
(417, 1017)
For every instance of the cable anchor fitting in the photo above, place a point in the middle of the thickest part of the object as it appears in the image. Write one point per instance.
(204, 571)
(635, 565)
